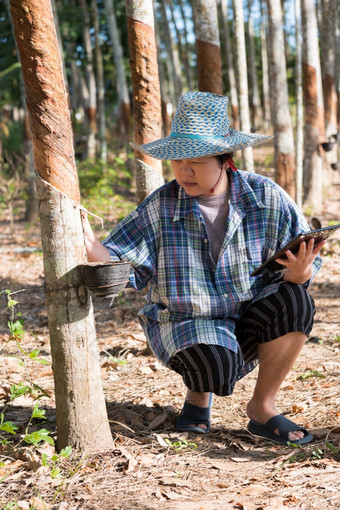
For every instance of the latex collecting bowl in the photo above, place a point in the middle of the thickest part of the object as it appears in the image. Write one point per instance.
(105, 279)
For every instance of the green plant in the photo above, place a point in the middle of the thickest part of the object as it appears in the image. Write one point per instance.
(180, 444)
(54, 461)
(311, 373)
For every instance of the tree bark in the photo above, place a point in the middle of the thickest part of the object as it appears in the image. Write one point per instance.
(265, 73)
(282, 122)
(327, 43)
(124, 120)
(209, 67)
(223, 6)
(254, 96)
(313, 105)
(299, 105)
(175, 73)
(146, 93)
(241, 63)
(81, 414)
(91, 110)
(100, 84)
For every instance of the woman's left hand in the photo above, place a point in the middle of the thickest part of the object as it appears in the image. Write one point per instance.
(299, 265)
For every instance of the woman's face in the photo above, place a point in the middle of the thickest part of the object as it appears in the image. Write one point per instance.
(200, 175)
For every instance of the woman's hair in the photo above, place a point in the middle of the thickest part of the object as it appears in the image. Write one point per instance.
(222, 158)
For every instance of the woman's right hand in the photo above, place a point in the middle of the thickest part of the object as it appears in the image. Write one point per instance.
(96, 252)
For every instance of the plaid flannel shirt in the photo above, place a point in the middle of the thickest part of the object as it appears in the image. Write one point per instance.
(191, 300)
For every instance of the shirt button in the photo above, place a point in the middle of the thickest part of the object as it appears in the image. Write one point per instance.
(226, 294)
(205, 240)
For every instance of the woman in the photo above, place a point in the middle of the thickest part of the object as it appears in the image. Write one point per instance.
(195, 241)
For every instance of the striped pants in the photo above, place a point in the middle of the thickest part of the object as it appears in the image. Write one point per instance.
(216, 369)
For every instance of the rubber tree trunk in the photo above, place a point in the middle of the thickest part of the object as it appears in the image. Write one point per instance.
(266, 114)
(209, 67)
(328, 49)
(241, 65)
(80, 405)
(175, 73)
(337, 69)
(166, 124)
(187, 49)
(146, 93)
(282, 122)
(124, 120)
(313, 106)
(91, 109)
(100, 84)
(254, 86)
(184, 56)
(299, 106)
(225, 32)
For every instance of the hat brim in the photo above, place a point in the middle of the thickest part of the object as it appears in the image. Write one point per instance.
(171, 147)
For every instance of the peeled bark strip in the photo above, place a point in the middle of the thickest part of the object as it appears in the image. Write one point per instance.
(80, 407)
(313, 105)
(146, 92)
(283, 130)
(209, 67)
(45, 94)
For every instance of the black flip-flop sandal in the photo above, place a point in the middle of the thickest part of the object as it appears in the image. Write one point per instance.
(283, 425)
(191, 415)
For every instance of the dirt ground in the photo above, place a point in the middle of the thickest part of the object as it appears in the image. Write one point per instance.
(226, 469)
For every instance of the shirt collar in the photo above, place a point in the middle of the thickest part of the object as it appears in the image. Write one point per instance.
(242, 196)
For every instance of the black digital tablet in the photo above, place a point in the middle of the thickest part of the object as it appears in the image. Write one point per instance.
(318, 235)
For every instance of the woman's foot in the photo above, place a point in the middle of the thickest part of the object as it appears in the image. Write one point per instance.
(198, 399)
(261, 414)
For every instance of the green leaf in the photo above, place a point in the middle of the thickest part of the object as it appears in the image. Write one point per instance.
(55, 473)
(44, 460)
(42, 361)
(65, 452)
(17, 390)
(34, 353)
(311, 373)
(39, 435)
(38, 413)
(8, 426)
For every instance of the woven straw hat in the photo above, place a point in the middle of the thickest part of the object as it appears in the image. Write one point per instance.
(200, 128)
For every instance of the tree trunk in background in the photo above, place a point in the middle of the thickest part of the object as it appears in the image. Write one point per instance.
(91, 109)
(327, 42)
(255, 100)
(100, 84)
(182, 53)
(187, 49)
(81, 413)
(175, 72)
(299, 106)
(313, 105)
(282, 122)
(166, 124)
(209, 67)
(241, 65)
(232, 92)
(337, 70)
(124, 119)
(146, 93)
(266, 114)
